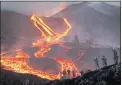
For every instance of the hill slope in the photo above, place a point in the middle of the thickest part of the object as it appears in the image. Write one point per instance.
(97, 21)
(107, 76)
(18, 30)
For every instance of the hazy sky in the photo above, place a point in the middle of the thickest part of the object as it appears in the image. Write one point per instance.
(40, 8)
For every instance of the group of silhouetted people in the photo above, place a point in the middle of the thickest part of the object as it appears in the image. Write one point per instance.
(104, 60)
(72, 74)
(68, 74)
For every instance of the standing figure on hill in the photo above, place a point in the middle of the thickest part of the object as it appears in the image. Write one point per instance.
(115, 57)
(69, 73)
(104, 61)
(64, 74)
(73, 74)
(82, 72)
(96, 62)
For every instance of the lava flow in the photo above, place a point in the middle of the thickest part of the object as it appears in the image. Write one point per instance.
(81, 53)
(67, 65)
(50, 37)
(19, 64)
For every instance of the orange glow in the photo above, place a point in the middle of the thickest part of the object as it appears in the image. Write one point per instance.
(41, 52)
(81, 53)
(48, 34)
(68, 65)
(50, 37)
(18, 64)
(62, 6)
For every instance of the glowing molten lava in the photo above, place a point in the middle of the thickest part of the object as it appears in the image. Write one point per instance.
(67, 65)
(50, 37)
(19, 64)
(48, 34)
(81, 53)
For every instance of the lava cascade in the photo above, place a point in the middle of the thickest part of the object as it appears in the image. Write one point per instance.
(50, 37)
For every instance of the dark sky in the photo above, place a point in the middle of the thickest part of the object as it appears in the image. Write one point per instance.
(40, 8)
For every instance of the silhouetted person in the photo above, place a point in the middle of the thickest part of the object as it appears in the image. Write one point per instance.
(73, 74)
(96, 62)
(69, 73)
(114, 51)
(115, 57)
(104, 61)
(64, 72)
(82, 72)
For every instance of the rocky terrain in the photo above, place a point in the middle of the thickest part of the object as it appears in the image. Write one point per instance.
(110, 75)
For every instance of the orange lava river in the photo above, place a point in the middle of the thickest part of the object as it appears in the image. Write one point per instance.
(19, 62)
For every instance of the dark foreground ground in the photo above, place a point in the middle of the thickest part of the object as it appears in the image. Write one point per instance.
(110, 75)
